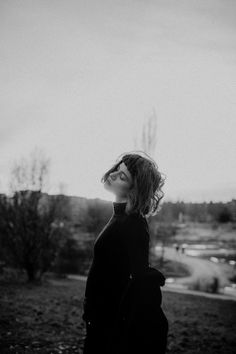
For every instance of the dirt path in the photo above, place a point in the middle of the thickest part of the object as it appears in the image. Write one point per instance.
(199, 268)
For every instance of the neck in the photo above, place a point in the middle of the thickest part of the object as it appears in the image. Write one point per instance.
(119, 208)
(120, 200)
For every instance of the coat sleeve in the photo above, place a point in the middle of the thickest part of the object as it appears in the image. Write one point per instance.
(136, 240)
(135, 234)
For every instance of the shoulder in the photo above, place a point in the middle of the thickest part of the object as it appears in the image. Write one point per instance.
(135, 220)
(136, 225)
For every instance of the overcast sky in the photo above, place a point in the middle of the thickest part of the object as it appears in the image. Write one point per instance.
(79, 78)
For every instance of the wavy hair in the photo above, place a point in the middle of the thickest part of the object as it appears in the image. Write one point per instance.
(146, 192)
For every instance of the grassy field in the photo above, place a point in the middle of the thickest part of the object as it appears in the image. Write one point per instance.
(47, 319)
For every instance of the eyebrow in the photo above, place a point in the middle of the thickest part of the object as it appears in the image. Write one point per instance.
(123, 172)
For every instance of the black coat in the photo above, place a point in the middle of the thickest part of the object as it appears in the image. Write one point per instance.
(122, 304)
(142, 326)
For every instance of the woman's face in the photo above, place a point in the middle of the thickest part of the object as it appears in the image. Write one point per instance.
(119, 181)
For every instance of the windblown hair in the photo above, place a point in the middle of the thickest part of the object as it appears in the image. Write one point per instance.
(145, 193)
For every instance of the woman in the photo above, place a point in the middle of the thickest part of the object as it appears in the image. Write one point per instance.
(122, 306)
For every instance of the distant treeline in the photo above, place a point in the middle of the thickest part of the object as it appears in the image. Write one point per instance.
(198, 212)
(221, 212)
(95, 212)
(100, 210)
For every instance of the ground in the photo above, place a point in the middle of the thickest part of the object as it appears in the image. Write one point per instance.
(47, 319)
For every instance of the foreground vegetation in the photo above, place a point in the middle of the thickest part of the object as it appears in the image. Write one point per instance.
(46, 318)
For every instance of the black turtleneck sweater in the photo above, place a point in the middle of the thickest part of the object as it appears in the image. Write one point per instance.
(120, 252)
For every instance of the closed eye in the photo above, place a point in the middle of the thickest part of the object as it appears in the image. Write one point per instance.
(122, 173)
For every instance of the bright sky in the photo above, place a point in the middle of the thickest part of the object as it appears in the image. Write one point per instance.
(79, 78)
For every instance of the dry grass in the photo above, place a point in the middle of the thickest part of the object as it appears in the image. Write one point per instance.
(47, 319)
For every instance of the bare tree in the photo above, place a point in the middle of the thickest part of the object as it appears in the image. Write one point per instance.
(31, 225)
(148, 135)
(30, 174)
(148, 145)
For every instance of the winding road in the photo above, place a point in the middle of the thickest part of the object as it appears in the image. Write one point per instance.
(201, 269)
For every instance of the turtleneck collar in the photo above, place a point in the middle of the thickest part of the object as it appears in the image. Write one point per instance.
(119, 208)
